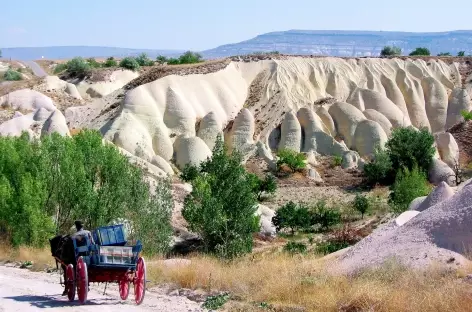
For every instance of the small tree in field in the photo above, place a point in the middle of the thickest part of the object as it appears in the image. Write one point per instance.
(361, 204)
(461, 54)
(420, 52)
(391, 51)
(268, 185)
(221, 207)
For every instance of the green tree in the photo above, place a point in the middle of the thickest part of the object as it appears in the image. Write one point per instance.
(93, 63)
(391, 51)
(161, 59)
(190, 57)
(380, 169)
(130, 63)
(110, 62)
(221, 207)
(78, 67)
(407, 147)
(409, 184)
(461, 53)
(444, 54)
(292, 216)
(268, 185)
(420, 52)
(325, 216)
(144, 60)
(361, 204)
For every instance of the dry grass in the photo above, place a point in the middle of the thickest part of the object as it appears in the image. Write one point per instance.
(287, 282)
(41, 257)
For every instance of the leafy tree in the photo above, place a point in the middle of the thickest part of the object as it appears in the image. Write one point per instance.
(161, 59)
(221, 207)
(391, 51)
(190, 57)
(93, 63)
(461, 54)
(12, 75)
(325, 216)
(420, 52)
(47, 185)
(59, 68)
(444, 54)
(266, 186)
(292, 216)
(295, 161)
(78, 67)
(110, 62)
(129, 63)
(144, 60)
(361, 204)
(380, 169)
(407, 147)
(408, 186)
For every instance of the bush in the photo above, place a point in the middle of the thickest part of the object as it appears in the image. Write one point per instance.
(461, 54)
(340, 239)
(295, 247)
(325, 216)
(59, 68)
(467, 115)
(129, 63)
(408, 147)
(361, 204)
(261, 187)
(45, 186)
(190, 57)
(78, 67)
(292, 216)
(161, 59)
(93, 63)
(221, 207)
(444, 54)
(295, 161)
(143, 60)
(420, 52)
(408, 186)
(380, 169)
(110, 62)
(391, 51)
(12, 75)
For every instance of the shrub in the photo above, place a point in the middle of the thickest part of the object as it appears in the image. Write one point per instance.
(325, 216)
(295, 247)
(12, 75)
(420, 52)
(144, 60)
(295, 161)
(129, 63)
(361, 204)
(93, 63)
(391, 51)
(59, 68)
(461, 54)
(260, 187)
(189, 173)
(408, 147)
(221, 207)
(78, 67)
(444, 54)
(467, 115)
(292, 216)
(161, 59)
(110, 62)
(409, 184)
(190, 57)
(45, 186)
(336, 161)
(215, 302)
(340, 239)
(379, 170)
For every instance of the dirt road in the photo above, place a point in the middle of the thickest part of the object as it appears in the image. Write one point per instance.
(37, 70)
(26, 291)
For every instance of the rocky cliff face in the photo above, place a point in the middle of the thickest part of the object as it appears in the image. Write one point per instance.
(327, 106)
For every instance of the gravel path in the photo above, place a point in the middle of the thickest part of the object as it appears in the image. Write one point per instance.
(26, 291)
(37, 70)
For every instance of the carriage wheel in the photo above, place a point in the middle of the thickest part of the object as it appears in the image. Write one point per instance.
(82, 280)
(140, 281)
(124, 287)
(70, 282)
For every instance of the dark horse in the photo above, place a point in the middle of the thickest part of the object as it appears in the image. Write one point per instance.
(62, 248)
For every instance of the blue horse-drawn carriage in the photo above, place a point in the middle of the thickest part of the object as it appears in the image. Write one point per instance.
(109, 260)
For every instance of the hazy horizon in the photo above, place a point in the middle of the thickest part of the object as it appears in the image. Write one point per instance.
(185, 25)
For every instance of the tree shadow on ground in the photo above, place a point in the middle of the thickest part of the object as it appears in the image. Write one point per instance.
(46, 302)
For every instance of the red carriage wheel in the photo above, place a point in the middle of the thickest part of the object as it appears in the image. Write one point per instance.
(70, 282)
(140, 281)
(82, 280)
(124, 287)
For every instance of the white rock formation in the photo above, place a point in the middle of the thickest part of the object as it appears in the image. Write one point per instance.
(440, 193)
(266, 214)
(56, 122)
(190, 150)
(369, 135)
(209, 129)
(27, 100)
(447, 148)
(378, 117)
(459, 100)
(439, 171)
(291, 133)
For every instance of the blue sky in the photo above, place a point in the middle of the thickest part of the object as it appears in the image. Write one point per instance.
(204, 24)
